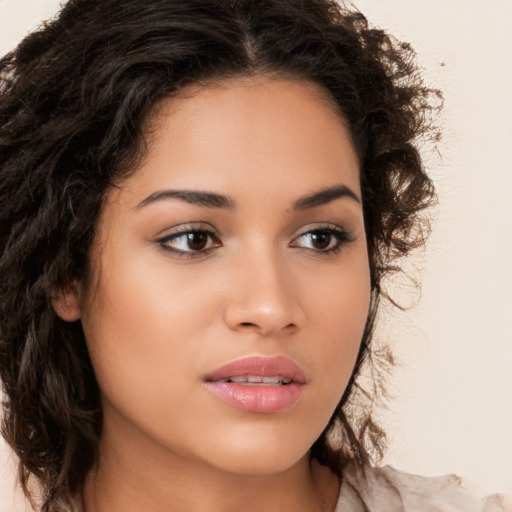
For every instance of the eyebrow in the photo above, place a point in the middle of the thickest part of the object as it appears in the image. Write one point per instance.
(214, 200)
(325, 196)
(197, 197)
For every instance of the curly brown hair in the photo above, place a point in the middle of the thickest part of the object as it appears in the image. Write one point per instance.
(74, 97)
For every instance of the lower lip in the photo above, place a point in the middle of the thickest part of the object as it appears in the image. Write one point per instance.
(260, 399)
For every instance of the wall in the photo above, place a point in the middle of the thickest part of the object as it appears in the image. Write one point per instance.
(452, 406)
(454, 392)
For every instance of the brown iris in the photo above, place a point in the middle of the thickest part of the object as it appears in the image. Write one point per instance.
(320, 240)
(197, 240)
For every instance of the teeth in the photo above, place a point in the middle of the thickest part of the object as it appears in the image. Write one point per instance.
(243, 379)
(276, 380)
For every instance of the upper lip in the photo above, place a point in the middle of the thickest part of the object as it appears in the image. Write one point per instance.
(262, 366)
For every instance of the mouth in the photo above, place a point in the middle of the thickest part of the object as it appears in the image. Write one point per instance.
(258, 384)
(258, 380)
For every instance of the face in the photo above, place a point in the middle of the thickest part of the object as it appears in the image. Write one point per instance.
(230, 283)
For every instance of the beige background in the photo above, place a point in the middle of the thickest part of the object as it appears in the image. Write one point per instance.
(452, 410)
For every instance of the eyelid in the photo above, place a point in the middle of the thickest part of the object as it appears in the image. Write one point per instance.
(184, 227)
(320, 226)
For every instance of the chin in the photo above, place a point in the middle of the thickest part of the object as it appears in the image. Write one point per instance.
(258, 453)
(261, 463)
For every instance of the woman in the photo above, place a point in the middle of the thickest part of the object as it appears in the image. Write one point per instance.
(200, 202)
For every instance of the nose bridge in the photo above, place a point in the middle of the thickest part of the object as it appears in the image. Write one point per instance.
(264, 298)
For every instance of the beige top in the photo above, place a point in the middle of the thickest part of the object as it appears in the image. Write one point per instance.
(388, 490)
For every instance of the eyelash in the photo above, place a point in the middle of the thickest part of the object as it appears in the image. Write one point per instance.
(341, 238)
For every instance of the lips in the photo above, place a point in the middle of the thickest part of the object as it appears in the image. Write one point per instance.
(258, 384)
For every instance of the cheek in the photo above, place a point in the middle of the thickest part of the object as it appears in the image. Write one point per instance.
(143, 329)
(340, 310)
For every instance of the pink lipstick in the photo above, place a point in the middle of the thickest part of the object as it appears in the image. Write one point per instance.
(258, 384)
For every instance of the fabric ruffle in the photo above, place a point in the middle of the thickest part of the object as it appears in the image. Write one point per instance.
(368, 489)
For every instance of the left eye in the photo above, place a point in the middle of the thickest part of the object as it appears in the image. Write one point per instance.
(321, 240)
(193, 241)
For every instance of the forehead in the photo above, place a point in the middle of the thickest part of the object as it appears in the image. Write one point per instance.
(250, 133)
(250, 101)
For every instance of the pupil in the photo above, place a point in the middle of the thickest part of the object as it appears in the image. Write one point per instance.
(321, 240)
(197, 240)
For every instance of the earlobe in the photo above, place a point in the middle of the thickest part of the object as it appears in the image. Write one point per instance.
(66, 303)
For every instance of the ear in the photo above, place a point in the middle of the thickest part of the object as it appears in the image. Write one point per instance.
(66, 302)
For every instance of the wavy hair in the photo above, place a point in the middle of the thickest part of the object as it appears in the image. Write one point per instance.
(74, 98)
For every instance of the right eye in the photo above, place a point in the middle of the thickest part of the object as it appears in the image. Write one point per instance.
(190, 242)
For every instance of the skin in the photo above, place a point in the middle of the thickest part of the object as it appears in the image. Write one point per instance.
(157, 321)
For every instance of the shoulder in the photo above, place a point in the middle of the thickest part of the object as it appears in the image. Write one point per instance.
(371, 489)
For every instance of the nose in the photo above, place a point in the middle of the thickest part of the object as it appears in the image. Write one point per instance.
(263, 298)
